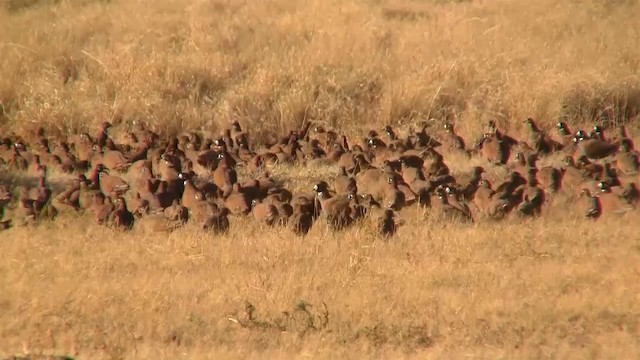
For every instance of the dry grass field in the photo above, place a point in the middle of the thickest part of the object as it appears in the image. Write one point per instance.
(558, 286)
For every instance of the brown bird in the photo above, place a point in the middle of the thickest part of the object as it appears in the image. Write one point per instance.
(344, 183)
(467, 184)
(590, 204)
(102, 208)
(138, 205)
(237, 201)
(122, 218)
(114, 160)
(71, 195)
(631, 193)
(540, 142)
(200, 211)
(370, 179)
(387, 225)
(596, 149)
(532, 197)
(548, 176)
(612, 203)
(5, 198)
(451, 139)
(336, 209)
(627, 160)
(17, 161)
(176, 212)
(218, 223)
(453, 200)
(389, 192)
(191, 194)
(25, 212)
(109, 184)
(447, 211)
(572, 177)
(224, 176)
(301, 220)
(264, 213)
(494, 150)
(519, 163)
(487, 203)
(566, 136)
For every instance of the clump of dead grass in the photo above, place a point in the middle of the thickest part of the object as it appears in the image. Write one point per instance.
(274, 66)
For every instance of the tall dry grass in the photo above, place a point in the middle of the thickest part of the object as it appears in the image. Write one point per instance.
(275, 63)
(555, 287)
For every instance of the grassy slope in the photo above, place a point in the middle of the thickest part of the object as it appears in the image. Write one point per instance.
(555, 287)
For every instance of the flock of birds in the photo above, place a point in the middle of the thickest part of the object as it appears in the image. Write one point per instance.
(194, 178)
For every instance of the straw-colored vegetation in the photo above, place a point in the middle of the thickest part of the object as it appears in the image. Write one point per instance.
(555, 287)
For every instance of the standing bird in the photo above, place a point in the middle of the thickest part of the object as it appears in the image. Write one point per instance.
(595, 149)
(122, 218)
(387, 225)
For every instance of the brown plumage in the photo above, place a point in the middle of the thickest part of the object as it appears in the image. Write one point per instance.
(102, 208)
(387, 225)
(540, 142)
(494, 150)
(176, 212)
(114, 160)
(452, 140)
(532, 197)
(548, 177)
(453, 199)
(264, 213)
(335, 209)
(138, 205)
(589, 204)
(224, 176)
(596, 149)
(237, 201)
(345, 183)
(565, 134)
(627, 160)
(369, 180)
(487, 203)
(611, 202)
(572, 177)
(301, 220)
(109, 184)
(5, 198)
(122, 218)
(218, 223)
(200, 211)
(390, 194)
(191, 194)
(447, 211)
(25, 213)
(70, 196)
